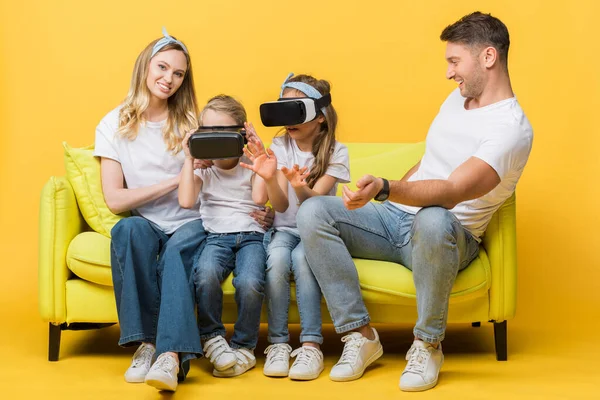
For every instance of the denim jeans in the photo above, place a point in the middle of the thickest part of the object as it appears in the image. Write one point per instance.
(244, 254)
(154, 289)
(432, 243)
(285, 257)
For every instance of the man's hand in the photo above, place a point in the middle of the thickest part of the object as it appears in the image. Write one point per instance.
(368, 187)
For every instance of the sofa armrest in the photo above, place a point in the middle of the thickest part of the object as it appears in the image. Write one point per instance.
(500, 243)
(59, 222)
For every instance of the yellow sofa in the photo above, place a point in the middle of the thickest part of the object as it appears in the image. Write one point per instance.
(75, 286)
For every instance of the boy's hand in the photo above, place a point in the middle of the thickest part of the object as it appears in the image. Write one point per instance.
(185, 143)
(202, 164)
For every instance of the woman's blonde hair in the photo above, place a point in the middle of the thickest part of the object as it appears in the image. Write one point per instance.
(183, 109)
(227, 105)
(324, 143)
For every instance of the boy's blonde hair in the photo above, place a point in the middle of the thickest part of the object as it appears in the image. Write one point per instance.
(227, 105)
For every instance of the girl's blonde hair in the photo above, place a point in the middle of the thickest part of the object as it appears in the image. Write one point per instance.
(324, 143)
(227, 105)
(183, 109)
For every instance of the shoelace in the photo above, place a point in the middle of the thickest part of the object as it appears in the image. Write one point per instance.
(417, 360)
(353, 341)
(306, 355)
(143, 355)
(165, 363)
(277, 352)
(214, 347)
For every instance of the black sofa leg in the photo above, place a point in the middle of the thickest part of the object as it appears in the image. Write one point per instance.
(54, 342)
(475, 324)
(500, 339)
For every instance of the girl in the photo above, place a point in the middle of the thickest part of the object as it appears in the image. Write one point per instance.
(309, 162)
(228, 194)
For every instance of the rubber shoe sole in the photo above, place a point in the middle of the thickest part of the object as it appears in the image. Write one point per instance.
(161, 385)
(228, 374)
(360, 373)
(307, 377)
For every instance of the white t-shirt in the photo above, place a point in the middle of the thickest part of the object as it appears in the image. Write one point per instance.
(287, 152)
(145, 161)
(226, 199)
(499, 134)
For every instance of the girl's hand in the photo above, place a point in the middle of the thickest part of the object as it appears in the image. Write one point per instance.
(264, 163)
(185, 144)
(296, 176)
(253, 138)
(264, 217)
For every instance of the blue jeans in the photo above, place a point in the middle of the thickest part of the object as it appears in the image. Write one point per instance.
(432, 243)
(154, 289)
(285, 256)
(244, 254)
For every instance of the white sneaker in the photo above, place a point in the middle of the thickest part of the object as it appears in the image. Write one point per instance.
(140, 365)
(219, 353)
(163, 374)
(359, 352)
(424, 363)
(308, 364)
(278, 360)
(245, 361)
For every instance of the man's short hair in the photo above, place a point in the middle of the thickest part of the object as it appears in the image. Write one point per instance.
(479, 30)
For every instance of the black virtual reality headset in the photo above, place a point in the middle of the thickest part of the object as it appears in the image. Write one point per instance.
(217, 142)
(292, 111)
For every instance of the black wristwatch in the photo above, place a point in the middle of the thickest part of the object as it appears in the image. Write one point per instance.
(384, 193)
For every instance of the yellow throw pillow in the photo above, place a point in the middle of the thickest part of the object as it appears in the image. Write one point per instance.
(83, 172)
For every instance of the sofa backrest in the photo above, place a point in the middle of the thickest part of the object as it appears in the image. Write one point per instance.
(388, 160)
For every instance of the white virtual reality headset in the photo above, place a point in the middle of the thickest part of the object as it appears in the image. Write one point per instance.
(294, 110)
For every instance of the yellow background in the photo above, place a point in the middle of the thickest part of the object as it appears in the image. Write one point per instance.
(65, 64)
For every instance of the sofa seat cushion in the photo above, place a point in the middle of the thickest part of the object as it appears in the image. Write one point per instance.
(88, 257)
(389, 283)
(382, 282)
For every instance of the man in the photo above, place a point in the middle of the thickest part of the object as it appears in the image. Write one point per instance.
(477, 147)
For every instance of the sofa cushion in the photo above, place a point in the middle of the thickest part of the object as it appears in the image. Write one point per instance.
(382, 282)
(83, 173)
(389, 283)
(88, 257)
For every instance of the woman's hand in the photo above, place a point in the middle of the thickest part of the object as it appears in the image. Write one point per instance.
(264, 217)
(296, 176)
